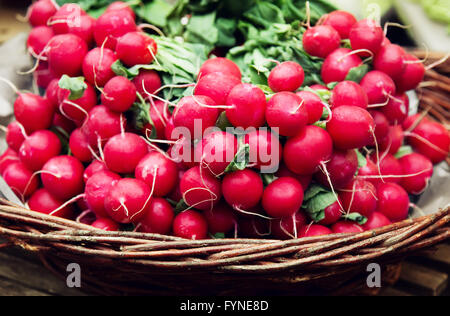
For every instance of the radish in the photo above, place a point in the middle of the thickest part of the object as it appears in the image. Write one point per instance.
(248, 106)
(359, 196)
(341, 169)
(417, 171)
(370, 172)
(38, 148)
(43, 75)
(169, 130)
(390, 60)
(341, 21)
(346, 227)
(147, 81)
(93, 168)
(397, 109)
(119, 94)
(265, 149)
(222, 65)
(121, 6)
(8, 158)
(217, 86)
(97, 66)
(102, 124)
(20, 179)
(136, 48)
(287, 111)
(40, 12)
(84, 28)
(255, 227)
(392, 142)
(38, 38)
(376, 220)
(111, 25)
(234, 189)
(381, 126)
(196, 114)
(200, 189)
(393, 201)
(366, 35)
(77, 110)
(283, 197)
(216, 151)
(159, 114)
(313, 104)
(321, 40)
(314, 230)
(44, 202)
(79, 146)
(66, 53)
(158, 219)
(33, 112)
(283, 228)
(51, 94)
(176, 194)
(190, 225)
(15, 135)
(105, 224)
(182, 153)
(351, 127)
(62, 176)
(221, 219)
(412, 74)
(123, 152)
(349, 93)
(378, 86)
(97, 187)
(128, 200)
(283, 171)
(155, 164)
(337, 65)
(318, 87)
(287, 76)
(332, 214)
(312, 147)
(390, 168)
(67, 15)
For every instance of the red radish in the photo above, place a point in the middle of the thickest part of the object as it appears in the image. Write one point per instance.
(196, 113)
(15, 135)
(417, 171)
(216, 151)
(84, 28)
(235, 189)
(67, 15)
(381, 126)
(332, 214)
(62, 176)
(182, 153)
(93, 168)
(412, 75)
(8, 158)
(38, 148)
(105, 224)
(200, 189)
(63, 124)
(391, 170)
(359, 196)
(97, 187)
(128, 200)
(313, 104)
(313, 146)
(165, 170)
(284, 229)
(341, 169)
(287, 76)
(176, 195)
(321, 40)
(351, 127)
(283, 197)
(217, 86)
(337, 65)
(159, 114)
(248, 104)
(378, 86)
(51, 94)
(283, 171)
(136, 48)
(390, 60)
(148, 81)
(76, 110)
(222, 65)
(318, 87)
(376, 220)
(392, 142)
(255, 227)
(349, 93)
(20, 179)
(386, 41)
(159, 217)
(393, 201)
(97, 66)
(38, 39)
(190, 225)
(397, 109)
(169, 130)
(43, 75)
(265, 149)
(79, 146)
(368, 35)
(111, 25)
(314, 230)
(121, 6)
(341, 21)
(221, 219)
(119, 94)
(66, 53)
(370, 173)
(33, 112)
(40, 12)
(43, 202)
(346, 227)
(288, 112)
(102, 124)
(124, 151)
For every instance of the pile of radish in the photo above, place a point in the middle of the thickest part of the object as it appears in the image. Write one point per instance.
(342, 156)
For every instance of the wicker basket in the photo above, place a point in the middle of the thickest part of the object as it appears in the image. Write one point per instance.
(118, 263)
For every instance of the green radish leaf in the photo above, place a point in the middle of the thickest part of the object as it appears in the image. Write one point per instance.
(403, 151)
(241, 159)
(345, 43)
(75, 85)
(313, 191)
(155, 12)
(219, 236)
(362, 161)
(268, 178)
(180, 207)
(316, 205)
(331, 85)
(357, 73)
(324, 95)
(222, 122)
(119, 69)
(355, 217)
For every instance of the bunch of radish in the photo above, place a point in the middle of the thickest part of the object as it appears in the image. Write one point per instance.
(335, 152)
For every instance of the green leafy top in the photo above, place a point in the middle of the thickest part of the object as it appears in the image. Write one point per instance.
(75, 85)
(316, 200)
